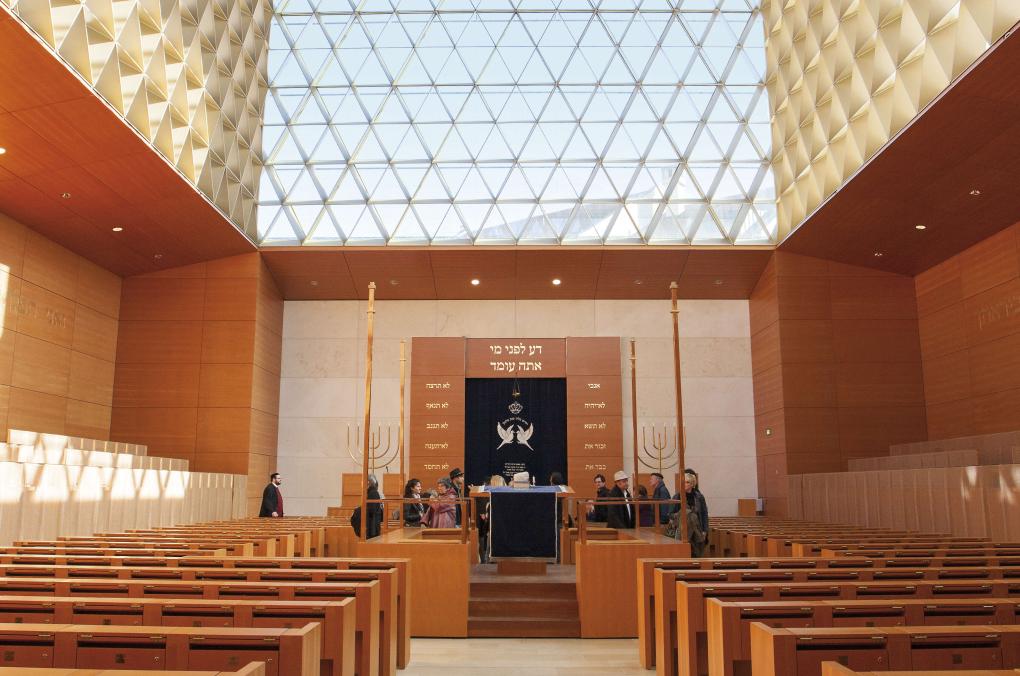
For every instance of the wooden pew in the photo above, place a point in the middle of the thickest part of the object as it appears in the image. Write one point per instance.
(837, 669)
(901, 552)
(690, 656)
(947, 569)
(801, 547)
(251, 669)
(260, 544)
(780, 651)
(388, 615)
(114, 551)
(336, 617)
(285, 652)
(400, 566)
(729, 631)
(232, 548)
(366, 595)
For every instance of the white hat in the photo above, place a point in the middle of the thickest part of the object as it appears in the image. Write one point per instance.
(620, 476)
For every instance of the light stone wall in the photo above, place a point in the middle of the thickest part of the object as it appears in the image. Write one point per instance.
(322, 385)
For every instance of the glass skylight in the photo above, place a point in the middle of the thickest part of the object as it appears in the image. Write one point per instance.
(516, 122)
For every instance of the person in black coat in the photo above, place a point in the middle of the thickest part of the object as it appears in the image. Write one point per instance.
(272, 498)
(460, 491)
(660, 492)
(621, 514)
(375, 511)
(598, 512)
(413, 511)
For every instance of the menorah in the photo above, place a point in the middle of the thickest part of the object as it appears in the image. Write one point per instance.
(376, 458)
(663, 445)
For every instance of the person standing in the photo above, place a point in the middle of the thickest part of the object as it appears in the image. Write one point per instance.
(660, 492)
(413, 511)
(272, 498)
(620, 514)
(441, 508)
(375, 509)
(598, 512)
(457, 478)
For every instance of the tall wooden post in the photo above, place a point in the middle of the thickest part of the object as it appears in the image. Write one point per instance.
(680, 440)
(400, 425)
(368, 411)
(633, 410)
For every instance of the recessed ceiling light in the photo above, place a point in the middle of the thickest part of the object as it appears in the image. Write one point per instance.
(475, 282)
(313, 283)
(638, 282)
(394, 282)
(556, 282)
(878, 254)
(157, 256)
(718, 282)
(920, 227)
(3, 150)
(975, 193)
(66, 195)
(117, 229)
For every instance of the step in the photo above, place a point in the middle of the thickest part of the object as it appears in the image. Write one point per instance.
(522, 627)
(523, 590)
(510, 608)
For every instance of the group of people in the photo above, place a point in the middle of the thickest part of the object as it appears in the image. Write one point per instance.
(622, 514)
(440, 508)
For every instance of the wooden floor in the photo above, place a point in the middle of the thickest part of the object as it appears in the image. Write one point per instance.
(511, 656)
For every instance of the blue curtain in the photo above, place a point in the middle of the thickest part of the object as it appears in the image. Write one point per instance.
(500, 439)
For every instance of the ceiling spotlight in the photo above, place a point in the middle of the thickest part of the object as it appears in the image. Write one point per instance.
(975, 193)
(3, 150)
(394, 282)
(556, 282)
(157, 256)
(878, 254)
(117, 229)
(920, 227)
(718, 282)
(66, 195)
(475, 282)
(313, 283)
(638, 282)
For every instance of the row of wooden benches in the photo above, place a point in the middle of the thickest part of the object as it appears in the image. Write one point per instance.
(695, 616)
(177, 598)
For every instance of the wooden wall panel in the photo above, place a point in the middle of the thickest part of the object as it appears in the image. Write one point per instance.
(837, 363)
(58, 337)
(198, 366)
(969, 309)
(593, 356)
(437, 356)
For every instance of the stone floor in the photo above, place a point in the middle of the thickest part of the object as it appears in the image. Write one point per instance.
(514, 656)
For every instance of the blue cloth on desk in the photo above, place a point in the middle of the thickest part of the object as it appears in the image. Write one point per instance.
(522, 522)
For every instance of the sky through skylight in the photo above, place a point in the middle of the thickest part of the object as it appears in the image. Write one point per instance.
(516, 122)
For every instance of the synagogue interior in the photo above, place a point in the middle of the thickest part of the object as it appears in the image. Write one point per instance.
(464, 337)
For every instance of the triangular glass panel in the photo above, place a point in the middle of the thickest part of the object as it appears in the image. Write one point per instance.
(408, 229)
(347, 190)
(390, 215)
(624, 229)
(473, 215)
(432, 188)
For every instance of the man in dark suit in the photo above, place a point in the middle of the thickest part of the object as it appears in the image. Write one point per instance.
(272, 498)
(620, 514)
(598, 512)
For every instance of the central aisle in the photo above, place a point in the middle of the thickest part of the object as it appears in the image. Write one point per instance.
(514, 656)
